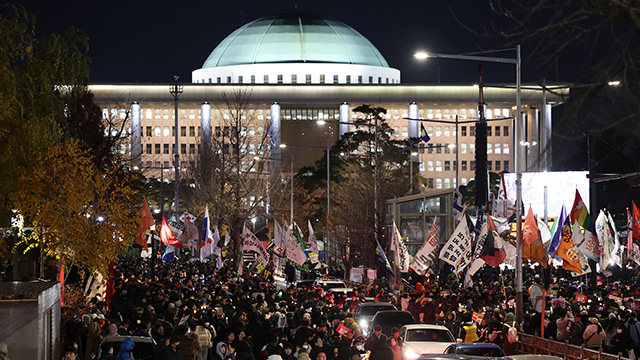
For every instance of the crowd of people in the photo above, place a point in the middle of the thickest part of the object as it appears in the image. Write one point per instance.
(192, 311)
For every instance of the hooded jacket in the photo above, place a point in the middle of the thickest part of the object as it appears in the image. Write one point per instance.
(125, 350)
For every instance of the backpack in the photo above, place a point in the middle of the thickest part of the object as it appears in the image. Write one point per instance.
(512, 333)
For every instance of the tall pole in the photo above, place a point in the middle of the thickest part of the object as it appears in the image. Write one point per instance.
(375, 180)
(457, 152)
(291, 189)
(410, 167)
(176, 91)
(327, 240)
(519, 300)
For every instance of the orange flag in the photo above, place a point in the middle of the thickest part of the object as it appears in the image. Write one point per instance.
(636, 222)
(146, 222)
(167, 236)
(567, 250)
(530, 232)
(534, 250)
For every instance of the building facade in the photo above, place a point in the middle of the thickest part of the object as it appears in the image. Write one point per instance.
(281, 74)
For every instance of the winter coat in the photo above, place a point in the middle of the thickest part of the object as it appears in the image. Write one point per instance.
(125, 350)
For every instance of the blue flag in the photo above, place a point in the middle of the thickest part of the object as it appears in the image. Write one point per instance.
(169, 253)
(557, 234)
(423, 134)
(381, 259)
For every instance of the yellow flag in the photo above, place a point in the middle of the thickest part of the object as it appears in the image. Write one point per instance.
(567, 251)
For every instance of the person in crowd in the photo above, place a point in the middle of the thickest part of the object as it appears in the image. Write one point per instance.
(172, 351)
(396, 349)
(621, 342)
(108, 351)
(70, 353)
(564, 324)
(469, 331)
(381, 350)
(594, 335)
(576, 336)
(126, 349)
(204, 340)
(4, 352)
(374, 338)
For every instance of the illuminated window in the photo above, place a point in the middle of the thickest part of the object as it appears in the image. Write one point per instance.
(447, 183)
(166, 131)
(505, 149)
(489, 149)
(438, 130)
(405, 131)
(497, 149)
(447, 131)
(438, 183)
(438, 165)
(429, 165)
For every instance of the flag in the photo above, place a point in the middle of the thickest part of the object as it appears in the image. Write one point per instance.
(557, 234)
(578, 237)
(535, 251)
(545, 234)
(566, 249)
(251, 243)
(217, 248)
(477, 262)
(502, 206)
(279, 244)
(186, 217)
(227, 237)
(381, 259)
(294, 250)
(607, 242)
(457, 250)
(189, 234)
(312, 244)
(580, 215)
(169, 253)
(458, 205)
(477, 317)
(401, 254)
(167, 236)
(298, 236)
(423, 134)
(616, 255)
(206, 243)
(530, 231)
(425, 257)
(493, 253)
(145, 223)
(61, 280)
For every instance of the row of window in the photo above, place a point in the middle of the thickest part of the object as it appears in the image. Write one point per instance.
(294, 79)
(167, 131)
(164, 148)
(465, 148)
(437, 165)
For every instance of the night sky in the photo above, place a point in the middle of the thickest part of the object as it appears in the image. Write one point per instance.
(150, 41)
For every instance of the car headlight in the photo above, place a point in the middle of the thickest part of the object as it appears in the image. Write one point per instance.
(410, 354)
(363, 324)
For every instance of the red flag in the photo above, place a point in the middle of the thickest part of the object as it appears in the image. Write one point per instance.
(493, 255)
(61, 279)
(145, 223)
(110, 287)
(167, 236)
(636, 221)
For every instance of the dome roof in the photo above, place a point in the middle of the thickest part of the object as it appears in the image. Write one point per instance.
(295, 37)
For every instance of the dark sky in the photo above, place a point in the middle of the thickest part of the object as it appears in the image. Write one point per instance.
(150, 41)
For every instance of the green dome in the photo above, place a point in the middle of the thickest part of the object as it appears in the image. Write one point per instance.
(295, 37)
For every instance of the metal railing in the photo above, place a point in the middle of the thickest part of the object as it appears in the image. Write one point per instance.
(530, 344)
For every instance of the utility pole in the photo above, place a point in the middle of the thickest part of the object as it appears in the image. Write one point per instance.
(176, 90)
(481, 149)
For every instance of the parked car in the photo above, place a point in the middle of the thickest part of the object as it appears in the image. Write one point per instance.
(364, 312)
(475, 349)
(420, 339)
(389, 319)
(143, 346)
(305, 284)
(330, 284)
(473, 357)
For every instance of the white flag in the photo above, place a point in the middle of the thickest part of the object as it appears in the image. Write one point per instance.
(607, 241)
(294, 251)
(425, 257)
(312, 244)
(477, 261)
(578, 237)
(251, 243)
(458, 205)
(616, 255)
(457, 250)
(545, 234)
(217, 248)
(400, 250)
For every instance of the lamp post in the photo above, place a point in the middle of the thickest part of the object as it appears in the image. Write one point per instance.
(176, 90)
(517, 62)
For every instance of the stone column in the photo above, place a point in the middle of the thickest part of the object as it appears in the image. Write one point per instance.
(413, 125)
(136, 134)
(344, 118)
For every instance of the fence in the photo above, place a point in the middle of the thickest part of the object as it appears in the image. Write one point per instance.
(530, 344)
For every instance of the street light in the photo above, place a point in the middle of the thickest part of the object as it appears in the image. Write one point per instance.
(517, 62)
(176, 90)
(528, 145)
